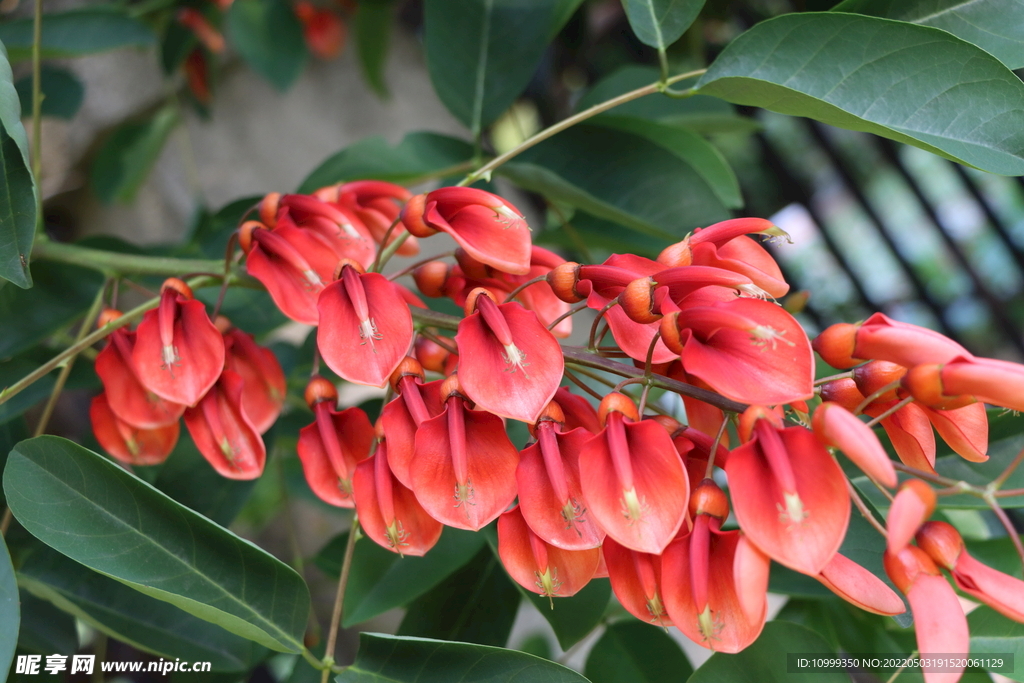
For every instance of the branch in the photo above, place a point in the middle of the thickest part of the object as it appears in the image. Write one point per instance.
(113, 263)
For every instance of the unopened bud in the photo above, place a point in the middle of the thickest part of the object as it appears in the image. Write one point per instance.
(412, 217)
(873, 376)
(942, 542)
(637, 301)
(563, 279)
(430, 278)
(836, 344)
(924, 383)
(268, 209)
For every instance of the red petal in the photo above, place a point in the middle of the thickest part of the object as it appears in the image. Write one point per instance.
(635, 338)
(130, 444)
(1001, 592)
(857, 585)
(964, 429)
(491, 467)
(413, 531)
(355, 438)
(906, 515)
(265, 386)
(750, 570)
(223, 433)
(400, 428)
(294, 292)
(745, 256)
(939, 622)
(661, 484)
(839, 428)
(911, 434)
(488, 236)
(538, 566)
(490, 374)
(127, 398)
(729, 629)
(882, 338)
(757, 498)
(198, 349)
(578, 411)
(750, 370)
(351, 346)
(636, 582)
(539, 503)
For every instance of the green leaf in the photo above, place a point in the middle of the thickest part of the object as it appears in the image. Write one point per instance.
(691, 148)
(765, 660)
(372, 32)
(619, 177)
(392, 659)
(587, 233)
(62, 92)
(417, 155)
(268, 35)
(61, 294)
(1001, 454)
(91, 510)
(995, 26)
(126, 157)
(476, 604)
(380, 580)
(699, 113)
(177, 42)
(482, 53)
(132, 617)
(992, 633)
(188, 479)
(45, 629)
(573, 618)
(636, 652)
(10, 617)
(913, 84)
(659, 23)
(18, 191)
(77, 32)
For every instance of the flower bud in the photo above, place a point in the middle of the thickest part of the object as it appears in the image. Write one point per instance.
(430, 278)
(877, 374)
(924, 383)
(836, 344)
(108, 316)
(842, 391)
(637, 301)
(431, 355)
(670, 335)
(412, 217)
(709, 499)
(245, 231)
(907, 565)
(942, 543)
(563, 279)
(268, 208)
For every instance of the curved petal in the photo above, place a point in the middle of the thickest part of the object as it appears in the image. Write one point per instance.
(911, 507)
(185, 371)
(399, 523)
(911, 434)
(839, 428)
(223, 433)
(328, 460)
(882, 338)
(364, 350)
(964, 429)
(939, 622)
(265, 386)
(128, 399)
(750, 570)
(726, 627)
(636, 582)
(129, 444)
(491, 237)
(745, 256)
(515, 382)
(561, 523)
(657, 502)
(578, 411)
(761, 506)
(400, 426)
(858, 586)
(1001, 592)
(491, 460)
(538, 566)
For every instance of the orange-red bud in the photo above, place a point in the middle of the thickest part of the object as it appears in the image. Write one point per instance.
(617, 403)
(842, 391)
(671, 425)
(223, 324)
(670, 332)
(245, 231)
(836, 344)
(268, 208)
(676, 255)
(563, 279)
(108, 316)
(430, 278)
(320, 389)
(924, 383)
(412, 217)
(177, 285)
(905, 566)
(942, 542)
(877, 374)
(637, 301)
(431, 355)
(407, 366)
(709, 499)
(471, 267)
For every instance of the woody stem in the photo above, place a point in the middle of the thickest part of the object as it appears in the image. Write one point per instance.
(339, 598)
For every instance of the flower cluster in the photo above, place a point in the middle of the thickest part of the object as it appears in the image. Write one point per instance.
(610, 491)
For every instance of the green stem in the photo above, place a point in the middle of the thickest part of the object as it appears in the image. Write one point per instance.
(62, 378)
(1001, 479)
(385, 253)
(9, 392)
(114, 264)
(485, 170)
(1007, 523)
(339, 598)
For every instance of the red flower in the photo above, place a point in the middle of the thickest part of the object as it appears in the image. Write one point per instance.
(378, 204)
(632, 478)
(911, 507)
(464, 467)
(178, 353)
(334, 226)
(509, 363)
(489, 228)
(193, 19)
(414, 404)
(130, 445)
(265, 385)
(323, 30)
(365, 326)
(837, 427)
(223, 432)
(126, 397)
(636, 582)
(859, 587)
(333, 445)
(550, 497)
(538, 566)
(788, 493)
(881, 338)
(388, 511)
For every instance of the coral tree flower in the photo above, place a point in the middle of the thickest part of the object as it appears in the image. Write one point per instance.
(378, 205)
(859, 587)
(126, 396)
(788, 493)
(365, 326)
(490, 229)
(844, 345)
(509, 363)
(464, 466)
(699, 580)
(333, 445)
(223, 432)
(837, 427)
(178, 353)
(633, 479)
(333, 226)
(131, 445)
(939, 620)
(265, 385)
(911, 507)
(414, 404)
(388, 511)
(538, 566)
(550, 497)
(1000, 591)
(636, 582)
(323, 30)
(986, 380)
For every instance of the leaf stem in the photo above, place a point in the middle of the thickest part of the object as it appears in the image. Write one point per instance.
(485, 170)
(114, 264)
(62, 378)
(339, 598)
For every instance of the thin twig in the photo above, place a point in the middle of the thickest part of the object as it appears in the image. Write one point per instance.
(582, 385)
(870, 398)
(1007, 523)
(1001, 479)
(937, 479)
(573, 310)
(714, 448)
(339, 598)
(864, 511)
(423, 262)
(875, 420)
(592, 343)
(386, 252)
(515, 292)
(832, 378)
